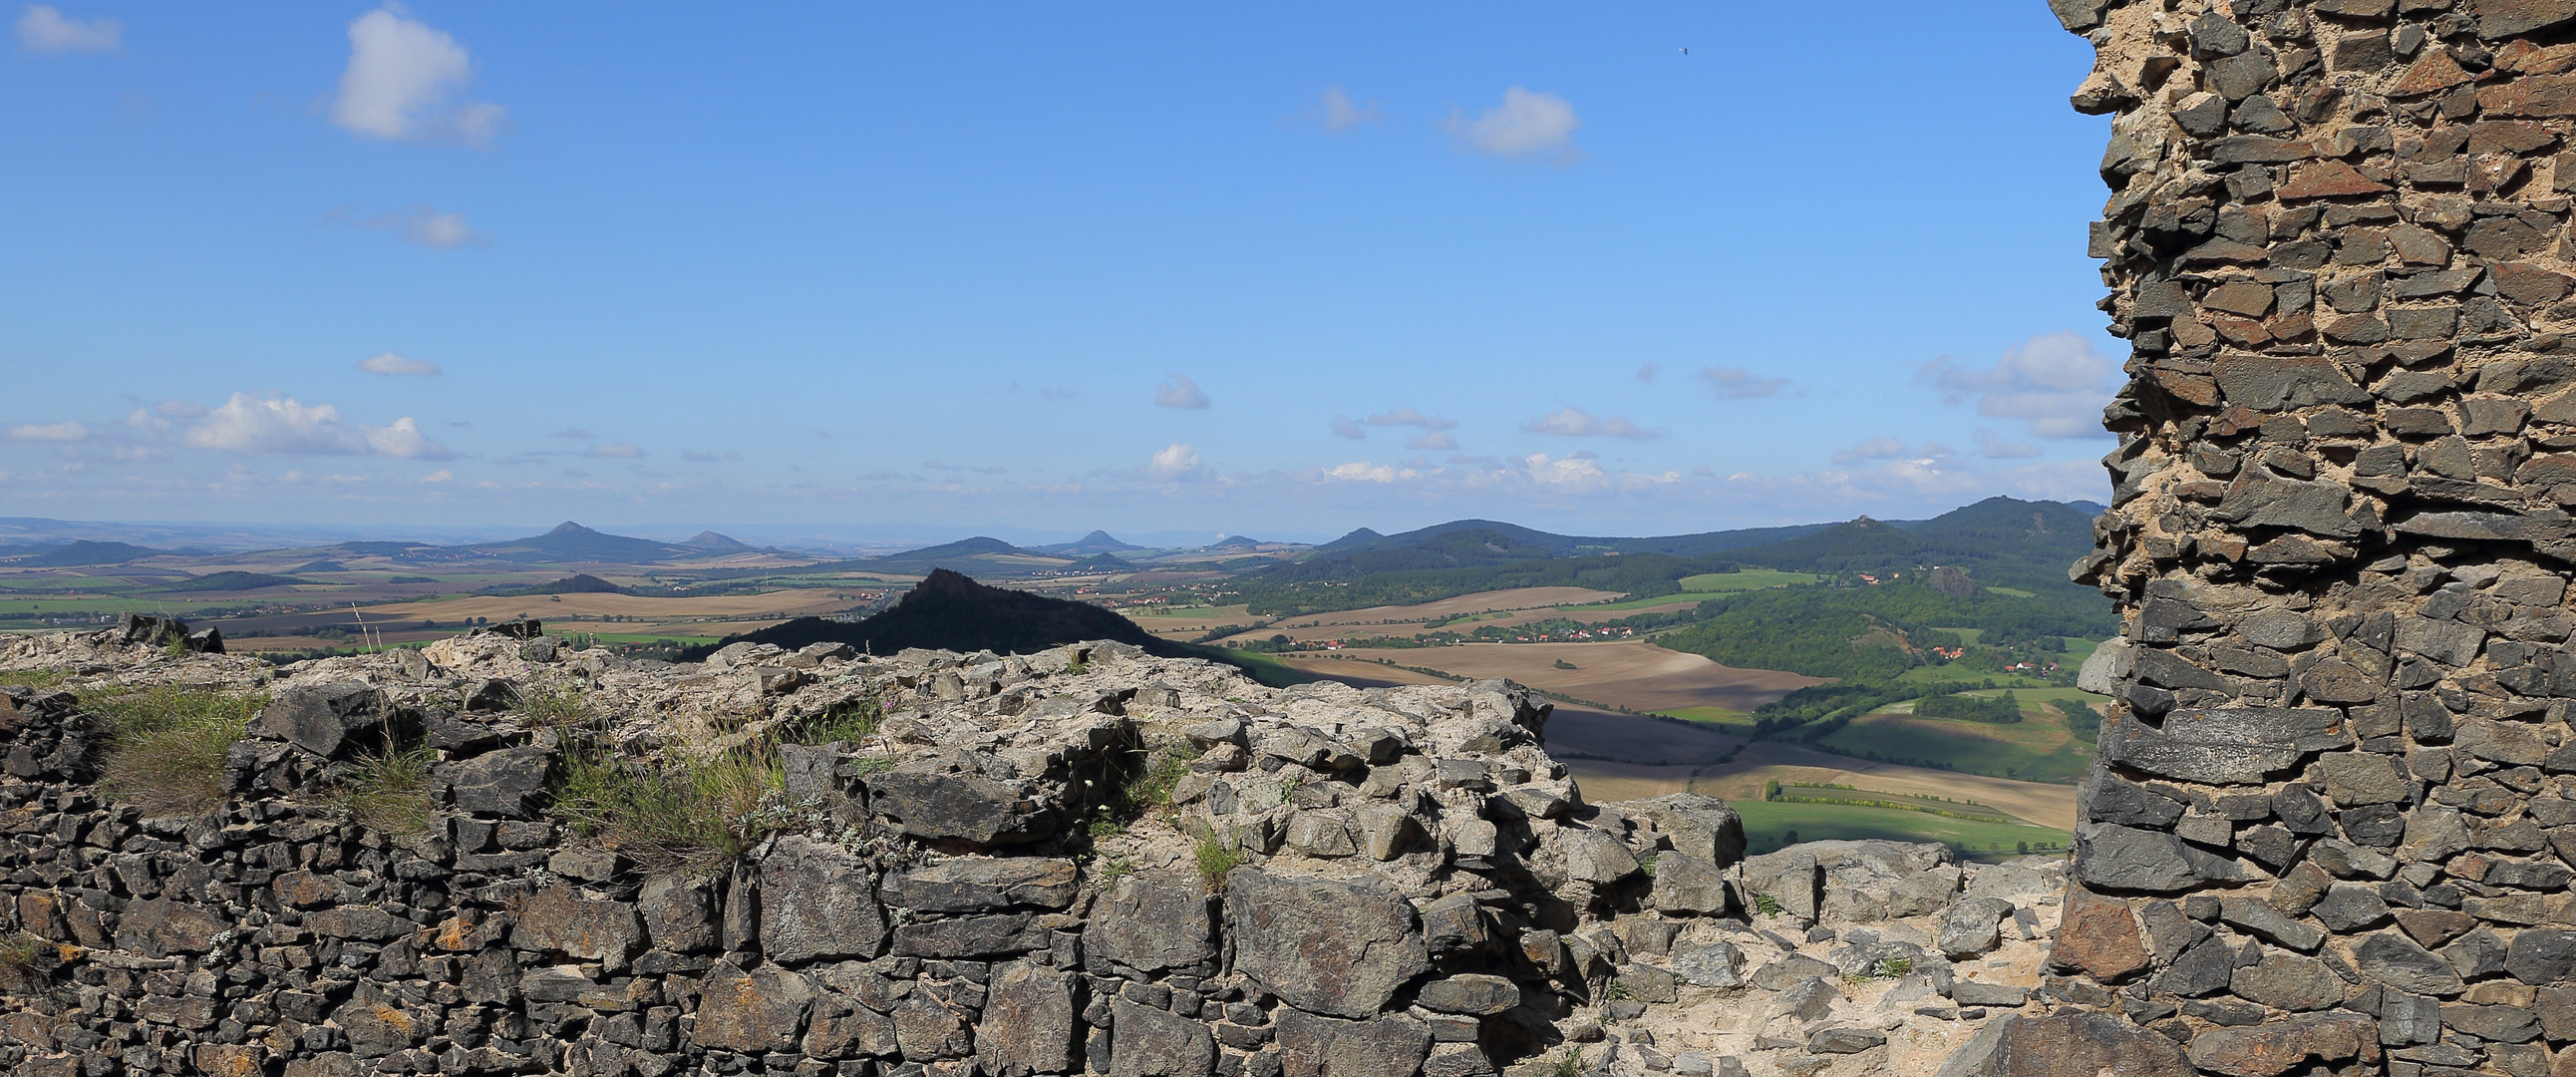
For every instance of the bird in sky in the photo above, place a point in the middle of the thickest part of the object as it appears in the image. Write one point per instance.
(1685, 50)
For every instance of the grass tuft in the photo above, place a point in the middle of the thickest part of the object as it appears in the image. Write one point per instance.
(390, 792)
(21, 953)
(38, 679)
(170, 745)
(694, 815)
(1217, 857)
(855, 722)
(1569, 1063)
(1147, 789)
(1766, 905)
(561, 708)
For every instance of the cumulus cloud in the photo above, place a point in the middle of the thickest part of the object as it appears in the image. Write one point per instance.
(1438, 440)
(390, 364)
(440, 475)
(62, 431)
(623, 450)
(44, 29)
(1526, 124)
(1737, 383)
(1177, 462)
(1576, 422)
(175, 408)
(285, 427)
(420, 225)
(1345, 427)
(1411, 417)
(1887, 448)
(1179, 391)
(1340, 113)
(1994, 446)
(401, 79)
(2055, 383)
(1360, 472)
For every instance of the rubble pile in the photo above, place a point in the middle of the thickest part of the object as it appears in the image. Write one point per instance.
(1328, 880)
(2329, 829)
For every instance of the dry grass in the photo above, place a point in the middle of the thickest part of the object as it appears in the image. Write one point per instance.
(693, 815)
(170, 745)
(391, 791)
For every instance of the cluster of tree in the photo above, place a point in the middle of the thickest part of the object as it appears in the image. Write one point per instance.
(1870, 632)
(2004, 710)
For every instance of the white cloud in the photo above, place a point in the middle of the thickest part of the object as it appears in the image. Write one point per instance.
(1360, 472)
(1180, 392)
(1526, 124)
(2055, 383)
(1994, 446)
(421, 225)
(62, 431)
(1411, 417)
(44, 29)
(285, 427)
(1436, 440)
(400, 78)
(440, 475)
(1177, 462)
(1345, 427)
(1736, 383)
(1341, 113)
(391, 365)
(1576, 422)
(624, 450)
(1887, 448)
(176, 408)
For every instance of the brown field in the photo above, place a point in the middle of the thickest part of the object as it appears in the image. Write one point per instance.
(1577, 735)
(1519, 598)
(711, 615)
(2043, 803)
(1629, 673)
(1187, 623)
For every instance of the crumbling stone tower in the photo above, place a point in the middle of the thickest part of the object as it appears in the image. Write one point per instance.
(2328, 830)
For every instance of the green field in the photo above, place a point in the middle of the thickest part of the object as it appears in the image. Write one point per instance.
(2041, 748)
(1767, 823)
(1751, 579)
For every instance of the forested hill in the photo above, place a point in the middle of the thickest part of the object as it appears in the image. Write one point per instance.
(2000, 541)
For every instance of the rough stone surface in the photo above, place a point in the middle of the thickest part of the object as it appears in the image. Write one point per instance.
(1325, 946)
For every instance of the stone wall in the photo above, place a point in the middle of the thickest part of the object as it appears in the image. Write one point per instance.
(1421, 888)
(2327, 831)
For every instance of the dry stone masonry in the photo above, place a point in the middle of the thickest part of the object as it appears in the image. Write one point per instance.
(1402, 882)
(2329, 828)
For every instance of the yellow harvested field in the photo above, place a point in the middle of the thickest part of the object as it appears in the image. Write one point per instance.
(777, 605)
(1519, 598)
(1188, 622)
(2037, 802)
(1629, 673)
(1603, 781)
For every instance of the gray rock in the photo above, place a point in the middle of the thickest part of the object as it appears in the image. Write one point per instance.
(559, 919)
(1147, 1042)
(1810, 1000)
(508, 783)
(1688, 884)
(1791, 878)
(2350, 908)
(2124, 858)
(678, 912)
(1699, 825)
(2202, 968)
(1312, 1046)
(1028, 1024)
(1974, 993)
(818, 901)
(2231, 746)
(2260, 919)
(925, 1031)
(972, 936)
(1325, 946)
(937, 806)
(1595, 857)
(2541, 956)
(2288, 982)
(985, 884)
(327, 720)
(2356, 778)
(1470, 993)
(1845, 1041)
(1152, 921)
(2396, 961)
(753, 1011)
(1972, 927)
(1717, 964)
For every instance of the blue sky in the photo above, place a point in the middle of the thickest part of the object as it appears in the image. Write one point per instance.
(1277, 270)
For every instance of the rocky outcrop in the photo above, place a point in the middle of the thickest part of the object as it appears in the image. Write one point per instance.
(2329, 805)
(1083, 860)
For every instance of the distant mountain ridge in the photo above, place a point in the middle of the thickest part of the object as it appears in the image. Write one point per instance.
(949, 611)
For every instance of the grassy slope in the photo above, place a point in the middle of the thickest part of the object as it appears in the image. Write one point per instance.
(2039, 749)
(1766, 823)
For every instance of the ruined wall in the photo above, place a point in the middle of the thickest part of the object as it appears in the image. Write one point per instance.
(1420, 889)
(2328, 826)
